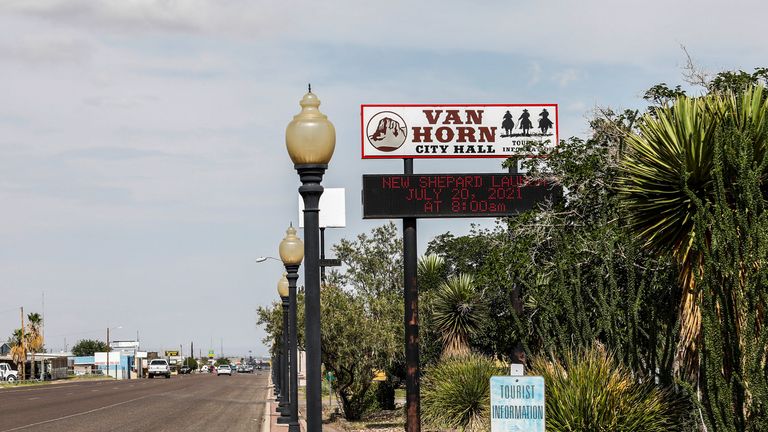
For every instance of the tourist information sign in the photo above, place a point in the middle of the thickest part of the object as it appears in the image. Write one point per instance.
(453, 195)
(517, 404)
(456, 131)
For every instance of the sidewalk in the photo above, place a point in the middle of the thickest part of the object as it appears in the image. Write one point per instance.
(269, 423)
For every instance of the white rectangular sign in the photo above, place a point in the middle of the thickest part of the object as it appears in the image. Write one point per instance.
(333, 212)
(456, 131)
(517, 404)
(100, 358)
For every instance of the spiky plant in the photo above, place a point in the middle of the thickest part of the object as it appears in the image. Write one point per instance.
(456, 393)
(458, 311)
(667, 174)
(590, 391)
(34, 337)
(431, 270)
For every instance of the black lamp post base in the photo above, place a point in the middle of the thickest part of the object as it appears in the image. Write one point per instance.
(283, 420)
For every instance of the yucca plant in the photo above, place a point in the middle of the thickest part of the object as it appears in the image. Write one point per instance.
(590, 391)
(456, 393)
(668, 172)
(458, 311)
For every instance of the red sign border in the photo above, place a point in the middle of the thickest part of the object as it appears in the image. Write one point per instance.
(453, 156)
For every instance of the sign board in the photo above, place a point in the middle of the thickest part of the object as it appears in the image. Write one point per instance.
(141, 354)
(456, 131)
(330, 262)
(517, 404)
(124, 344)
(210, 353)
(102, 358)
(394, 196)
(332, 209)
(171, 353)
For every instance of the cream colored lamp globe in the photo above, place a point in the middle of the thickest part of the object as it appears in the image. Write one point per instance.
(291, 248)
(310, 137)
(282, 286)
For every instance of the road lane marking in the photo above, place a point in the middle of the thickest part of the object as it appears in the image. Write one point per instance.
(33, 398)
(76, 414)
(43, 387)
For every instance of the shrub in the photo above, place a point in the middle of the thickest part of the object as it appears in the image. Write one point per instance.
(590, 391)
(456, 392)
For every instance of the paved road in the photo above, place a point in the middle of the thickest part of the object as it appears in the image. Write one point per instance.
(183, 403)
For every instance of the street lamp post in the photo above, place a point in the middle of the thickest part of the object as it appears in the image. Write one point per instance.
(310, 139)
(292, 253)
(283, 407)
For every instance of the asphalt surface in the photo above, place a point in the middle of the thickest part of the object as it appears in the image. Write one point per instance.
(183, 403)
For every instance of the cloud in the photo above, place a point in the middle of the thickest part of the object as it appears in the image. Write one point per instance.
(567, 76)
(578, 32)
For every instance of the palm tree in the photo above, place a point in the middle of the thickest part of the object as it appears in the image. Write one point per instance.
(34, 336)
(459, 310)
(18, 350)
(668, 176)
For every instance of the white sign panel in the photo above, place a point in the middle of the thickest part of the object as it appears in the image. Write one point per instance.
(100, 358)
(332, 209)
(517, 404)
(456, 131)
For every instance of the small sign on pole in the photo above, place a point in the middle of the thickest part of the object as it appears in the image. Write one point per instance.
(517, 404)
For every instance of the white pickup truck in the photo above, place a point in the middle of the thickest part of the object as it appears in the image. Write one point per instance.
(8, 374)
(159, 367)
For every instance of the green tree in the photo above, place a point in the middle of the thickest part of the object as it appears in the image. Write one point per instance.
(34, 337)
(667, 172)
(190, 362)
(221, 361)
(86, 347)
(732, 281)
(19, 350)
(373, 274)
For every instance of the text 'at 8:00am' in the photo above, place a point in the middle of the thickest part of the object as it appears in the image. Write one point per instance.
(453, 195)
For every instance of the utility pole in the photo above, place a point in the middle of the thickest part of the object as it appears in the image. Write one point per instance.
(23, 348)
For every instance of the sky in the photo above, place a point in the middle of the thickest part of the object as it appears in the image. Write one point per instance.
(142, 155)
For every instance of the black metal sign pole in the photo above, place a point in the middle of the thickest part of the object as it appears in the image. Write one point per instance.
(411, 320)
(518, 353)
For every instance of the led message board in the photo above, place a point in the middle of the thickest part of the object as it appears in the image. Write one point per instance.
(393, 196)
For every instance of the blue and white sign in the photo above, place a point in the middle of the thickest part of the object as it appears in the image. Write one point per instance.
(517, 404)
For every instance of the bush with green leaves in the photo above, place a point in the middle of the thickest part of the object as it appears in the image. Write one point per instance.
(589, 390)
(456, 392)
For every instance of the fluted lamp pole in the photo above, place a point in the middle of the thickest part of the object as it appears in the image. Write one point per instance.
(310, 139)
(292, 253)
(283, 406)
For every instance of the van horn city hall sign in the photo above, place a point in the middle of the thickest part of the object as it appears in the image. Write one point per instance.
(456, 131)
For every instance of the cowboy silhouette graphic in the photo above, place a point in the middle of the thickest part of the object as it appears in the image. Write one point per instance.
(525, 122)
(507, 125)
(544, 122)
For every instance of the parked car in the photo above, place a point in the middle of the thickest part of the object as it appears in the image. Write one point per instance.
(185, 370)
(224, 369)
(8, 374)
(204, 369)
(159, 367)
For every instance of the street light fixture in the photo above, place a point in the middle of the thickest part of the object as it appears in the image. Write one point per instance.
(310, 139)
(284, 401)
(292, 253)
(264, 258)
